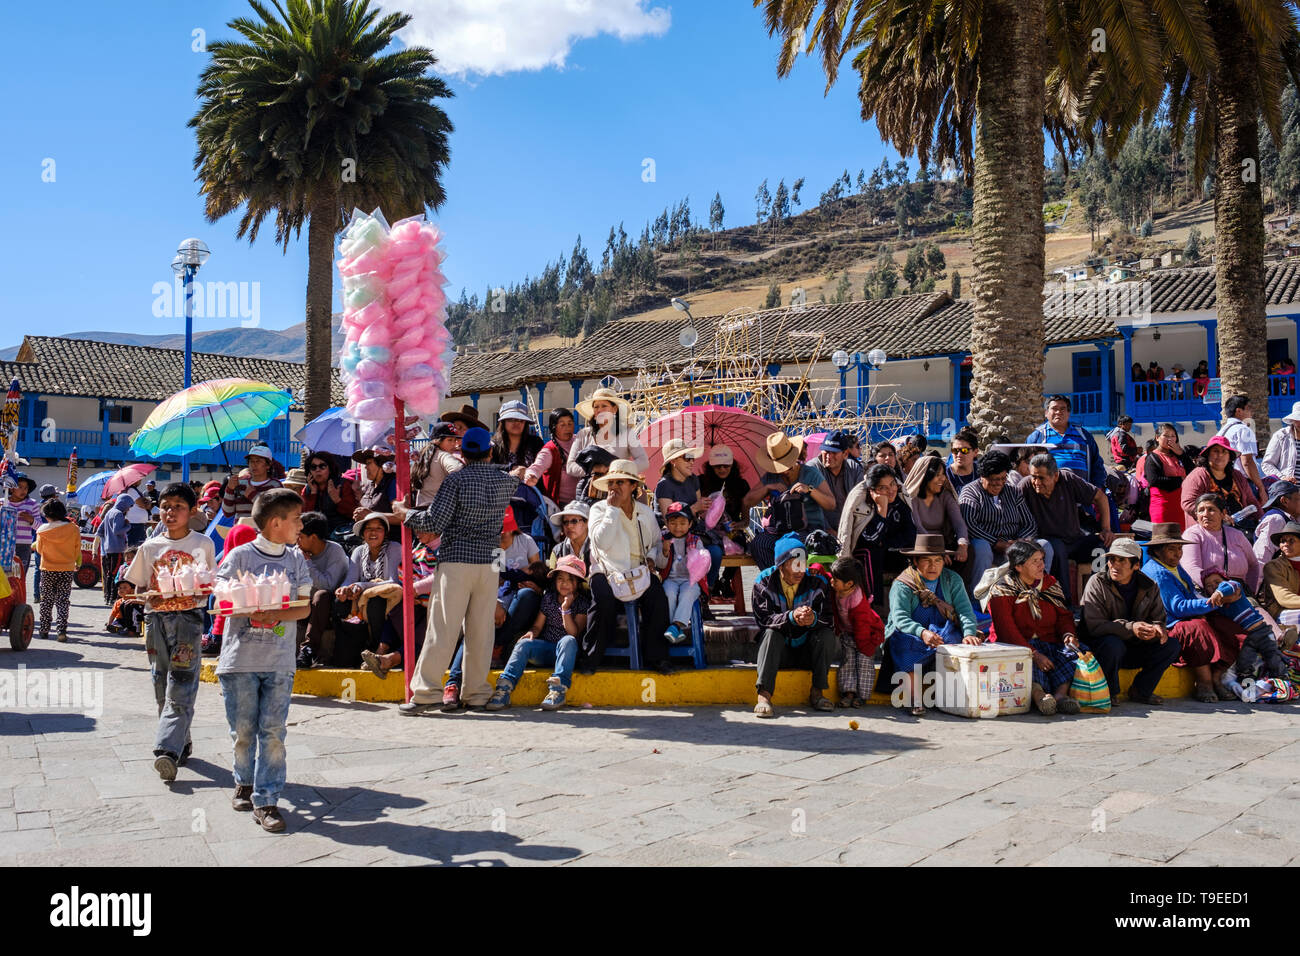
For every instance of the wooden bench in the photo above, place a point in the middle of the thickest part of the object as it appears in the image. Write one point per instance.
(738, 582)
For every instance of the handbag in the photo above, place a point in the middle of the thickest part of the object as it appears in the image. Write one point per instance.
(631, 584)
(1089, 686)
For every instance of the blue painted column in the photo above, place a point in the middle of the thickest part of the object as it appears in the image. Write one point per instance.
(773, 370)
(864, 380)
(1211, 346)
(1107, 383)
(577, 395)
(541, 404)
(473, 397)
(954, 365)
(1127, 332)
(105, 439)
(844, 395)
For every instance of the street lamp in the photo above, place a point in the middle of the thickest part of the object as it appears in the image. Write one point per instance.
(688, 338)
(840, 359)
(190, 255)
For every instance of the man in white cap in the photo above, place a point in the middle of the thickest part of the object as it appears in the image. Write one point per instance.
(239, 495)
(1282, 457)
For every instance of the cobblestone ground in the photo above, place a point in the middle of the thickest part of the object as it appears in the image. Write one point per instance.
(1187, 784)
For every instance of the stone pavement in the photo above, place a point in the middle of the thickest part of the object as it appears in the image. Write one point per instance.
(1187, 784)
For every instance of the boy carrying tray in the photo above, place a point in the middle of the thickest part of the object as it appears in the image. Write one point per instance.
(257, 659)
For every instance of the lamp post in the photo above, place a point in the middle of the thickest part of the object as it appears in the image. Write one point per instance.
(840, 359)
(688, 338)
(190, 255)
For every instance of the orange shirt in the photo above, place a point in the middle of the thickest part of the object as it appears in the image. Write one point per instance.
(59, 545)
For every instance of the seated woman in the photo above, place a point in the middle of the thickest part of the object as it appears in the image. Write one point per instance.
(934, 507)
(1215, 474)
(553, 639)
(876, 527)
(388, 655)
(790, 475)
(572, 522)
(608, 427)
(722, 476)
(1126, 625)
(1280, 593)
(377, 484)
(625, 546)
(363, 607)
(550, 467)
(515, 446)
(328, 494)
(928, 608)
(1217, 548)
(1029, 609)
(680, 484)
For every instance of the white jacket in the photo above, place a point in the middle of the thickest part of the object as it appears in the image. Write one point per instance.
(625, 446)
(610, 548)
(1279, 460)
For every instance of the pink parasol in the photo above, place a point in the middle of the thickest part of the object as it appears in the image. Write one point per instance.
(125, 477)
(709, 426)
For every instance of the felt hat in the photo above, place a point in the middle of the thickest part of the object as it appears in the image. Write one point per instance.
(784, 451)
(1291, 527)
(926, 545)
(574, 509)
(602, 395)
(359, 526)
(676, 448)
(570, 564)
(619, 468)
(1167, 532)
(376, 452)
(467, 416)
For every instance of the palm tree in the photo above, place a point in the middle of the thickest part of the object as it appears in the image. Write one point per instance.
(307, 120)
(1258, 45)
(931, 72)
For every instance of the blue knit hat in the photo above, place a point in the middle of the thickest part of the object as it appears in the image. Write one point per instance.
(789, 546)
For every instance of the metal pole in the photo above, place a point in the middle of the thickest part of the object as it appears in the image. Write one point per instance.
(401, 449)
(189, 349)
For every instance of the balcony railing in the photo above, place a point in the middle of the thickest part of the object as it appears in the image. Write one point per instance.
(1167, 401)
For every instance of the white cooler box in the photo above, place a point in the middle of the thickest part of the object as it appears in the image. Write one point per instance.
(982, 680)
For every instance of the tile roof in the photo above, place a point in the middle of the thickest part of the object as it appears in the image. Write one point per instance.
(81, 367)
(1192, 289)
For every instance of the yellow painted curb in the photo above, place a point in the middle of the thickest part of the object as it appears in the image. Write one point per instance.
(619, 688)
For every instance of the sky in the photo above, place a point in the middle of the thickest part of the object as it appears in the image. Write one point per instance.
(558, 106)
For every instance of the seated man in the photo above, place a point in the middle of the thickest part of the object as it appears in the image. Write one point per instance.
(996, 515)
(1054, 497)
(330, 570)
(1125, 623)
(794, 613)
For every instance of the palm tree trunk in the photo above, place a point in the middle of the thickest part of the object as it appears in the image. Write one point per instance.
(321, 229)
(1239, 218)
(1007, 223)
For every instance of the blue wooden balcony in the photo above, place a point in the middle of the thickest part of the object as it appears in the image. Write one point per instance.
(1155, 402)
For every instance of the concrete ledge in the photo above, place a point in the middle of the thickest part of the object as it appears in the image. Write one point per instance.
(620, 688)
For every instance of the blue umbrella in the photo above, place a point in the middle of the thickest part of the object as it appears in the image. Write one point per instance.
(329, 432)
(91, 491)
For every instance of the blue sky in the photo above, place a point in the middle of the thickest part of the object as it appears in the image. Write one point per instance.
(538, 155)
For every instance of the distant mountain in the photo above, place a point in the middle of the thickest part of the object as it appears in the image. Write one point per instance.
(285, 345)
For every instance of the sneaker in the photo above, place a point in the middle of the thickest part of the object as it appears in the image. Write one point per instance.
(243, 799)
(114, 627)
(63, 637)
(450, 699)
(412, 709)
(555, 697)
(306, 659)
(674, 634)
(501, 696)
(165, 764)
(269, 818)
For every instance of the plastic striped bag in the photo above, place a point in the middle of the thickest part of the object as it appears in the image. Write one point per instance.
(1089, 686)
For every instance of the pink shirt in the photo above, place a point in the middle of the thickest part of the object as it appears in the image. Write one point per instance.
(1226, 551)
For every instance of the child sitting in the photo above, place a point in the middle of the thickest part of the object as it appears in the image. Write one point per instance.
(553, 639)
(58, 542)
(126, 616)
(679, 586)
(860, 630)
(1259, 656)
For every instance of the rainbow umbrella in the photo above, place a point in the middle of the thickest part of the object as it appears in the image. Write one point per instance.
(208, 414)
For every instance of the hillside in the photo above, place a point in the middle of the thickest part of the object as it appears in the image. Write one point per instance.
(285, 345)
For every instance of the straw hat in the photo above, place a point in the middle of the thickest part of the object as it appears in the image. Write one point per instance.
(1167, 532)
(359, 526)
(784, 451)
(621, 468)
(926, 545)
(295, 479)
(675, 448)
(602, 395)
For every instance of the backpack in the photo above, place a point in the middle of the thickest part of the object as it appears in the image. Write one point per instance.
(787, 514)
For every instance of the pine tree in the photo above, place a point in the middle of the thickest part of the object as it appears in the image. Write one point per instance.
(794, 191)
(954, 288)
(763, 203)
(773, 300)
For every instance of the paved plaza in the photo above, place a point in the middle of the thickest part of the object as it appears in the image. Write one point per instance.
(1187, 784)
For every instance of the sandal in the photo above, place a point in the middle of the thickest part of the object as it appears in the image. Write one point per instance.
(1046, 705)
(764, 708)
(817, 702)
(846, 700)
(370, 662)
(918, 711)
(1206, 694)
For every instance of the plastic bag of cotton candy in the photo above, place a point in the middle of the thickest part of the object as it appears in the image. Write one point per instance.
(396, 343)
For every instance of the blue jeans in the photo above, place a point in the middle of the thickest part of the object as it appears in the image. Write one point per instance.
(257, 706)
(521, 612)
(682, 594)
(561, 654)
(174, 665)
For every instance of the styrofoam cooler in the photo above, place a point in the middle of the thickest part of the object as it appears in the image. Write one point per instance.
(983, 680)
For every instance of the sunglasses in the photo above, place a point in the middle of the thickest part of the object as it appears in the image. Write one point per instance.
(319, 466)
(568, 521)
(962, 451)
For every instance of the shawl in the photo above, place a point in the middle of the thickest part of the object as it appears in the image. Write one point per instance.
(1021, 593)
(911, 578)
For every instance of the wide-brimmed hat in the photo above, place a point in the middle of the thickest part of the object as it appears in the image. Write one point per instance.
(601, 395)
(468, 416)
(1278, 491)
(358, 526)
(570, 564)
(376, 452)
(574, 509)
(515, 411)
(1293, 415)
(1125, 548)
(1167, 532)
(1218, 441)
(262, 451)
(619, 468)
(1291, 527)
(676, 448)
(296, 478)
(721, 455)
(784, 451)
(926, 545)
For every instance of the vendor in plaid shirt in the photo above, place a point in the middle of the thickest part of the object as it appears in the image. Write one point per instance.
(467, 512)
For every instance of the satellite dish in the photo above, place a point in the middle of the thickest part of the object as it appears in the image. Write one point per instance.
(688, 337)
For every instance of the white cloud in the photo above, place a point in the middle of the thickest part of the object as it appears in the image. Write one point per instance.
(488, 37)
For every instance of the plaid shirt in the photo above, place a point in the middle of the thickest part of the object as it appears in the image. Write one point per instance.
(468, 512)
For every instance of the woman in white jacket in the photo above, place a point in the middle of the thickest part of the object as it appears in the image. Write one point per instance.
(624, 537)
(1281, 460)
(606, 415)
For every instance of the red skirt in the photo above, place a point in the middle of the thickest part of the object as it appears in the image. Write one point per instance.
(1214, 640)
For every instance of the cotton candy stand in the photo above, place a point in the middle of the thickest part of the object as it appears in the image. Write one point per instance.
(397, 352)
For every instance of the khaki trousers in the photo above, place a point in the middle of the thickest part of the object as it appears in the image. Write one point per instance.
(464, 597)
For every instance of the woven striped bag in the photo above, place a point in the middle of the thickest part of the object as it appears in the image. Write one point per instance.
(1089, 685)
